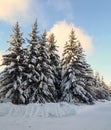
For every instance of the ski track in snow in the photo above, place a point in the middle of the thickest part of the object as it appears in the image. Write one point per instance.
(56, 116)
(37, 110)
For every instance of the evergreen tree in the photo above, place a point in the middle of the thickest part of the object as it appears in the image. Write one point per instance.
(74, 73)
(55, 62)
(98, 85)
(12, 77)
(105, 88)
(44, 89)
(97, 76)
(31, 62)
(89, 83)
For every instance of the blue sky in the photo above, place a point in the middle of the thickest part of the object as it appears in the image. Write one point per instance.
(91, 20)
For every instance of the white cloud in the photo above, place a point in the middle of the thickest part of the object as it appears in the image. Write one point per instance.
(24, 11)
(62, 31)
(13, 10)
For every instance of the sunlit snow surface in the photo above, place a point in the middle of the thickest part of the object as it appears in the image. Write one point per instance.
(55, 116)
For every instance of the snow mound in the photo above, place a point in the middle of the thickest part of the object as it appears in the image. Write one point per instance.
(38, 110)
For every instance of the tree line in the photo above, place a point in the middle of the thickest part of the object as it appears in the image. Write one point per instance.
(35, 73)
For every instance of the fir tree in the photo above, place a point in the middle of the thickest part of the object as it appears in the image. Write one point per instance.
(99, 87)
(44, 89)
(12, 77)
(97, 76)
(55, 62)
(31, 62)
(105, 87)
(74, 73)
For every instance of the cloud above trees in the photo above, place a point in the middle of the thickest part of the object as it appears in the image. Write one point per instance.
(62, 31)
(13, 10)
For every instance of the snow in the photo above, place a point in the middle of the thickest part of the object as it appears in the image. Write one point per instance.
(55, 116)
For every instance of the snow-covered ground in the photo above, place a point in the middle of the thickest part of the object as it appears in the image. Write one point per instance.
(58, 116)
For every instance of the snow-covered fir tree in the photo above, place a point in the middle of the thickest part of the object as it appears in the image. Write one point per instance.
(97, 90)
(105, 86)
(44, 89)
(31, 61)
(12, 77)
(88, 77)
(102, 91)
(94, 85)
(74, 73)
(97, 76)
(90, 84)
(55, 62)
